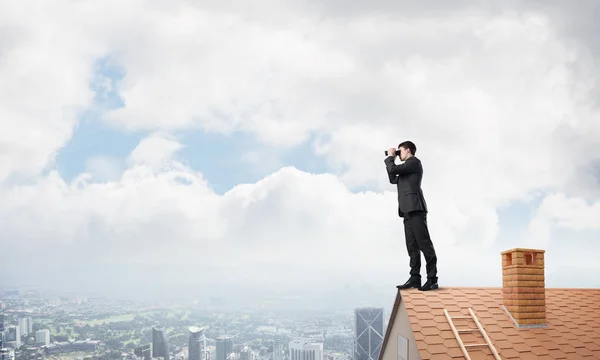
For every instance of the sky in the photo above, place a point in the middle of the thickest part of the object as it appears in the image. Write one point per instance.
(216, 148)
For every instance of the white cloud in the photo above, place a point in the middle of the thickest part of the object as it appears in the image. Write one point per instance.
(104, 168)
(488, 123)
(155, 150)
(45, 67)
(291, 228)
(559, 211)
(499, 105)
(310, 227)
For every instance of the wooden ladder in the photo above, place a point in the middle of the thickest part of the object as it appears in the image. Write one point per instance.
(479, 328)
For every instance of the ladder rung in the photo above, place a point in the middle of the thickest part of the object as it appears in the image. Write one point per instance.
(467, 330)
(462, 345)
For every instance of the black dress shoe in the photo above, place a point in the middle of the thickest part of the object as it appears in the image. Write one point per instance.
(429, 285)
(411, 283)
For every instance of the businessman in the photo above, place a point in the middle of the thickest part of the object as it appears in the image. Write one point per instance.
(413, 208)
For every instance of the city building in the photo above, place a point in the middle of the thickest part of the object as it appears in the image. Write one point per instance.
(143, 351)
(368, 323)
(246, 353)
(278, 351)
(12, 335)
(7, 354)
(305, 350)
(42, 337)
(211, 353)
(521, 320)
(224, 347)
(197, 344)
(160, 345)
(68, 346)
(23, 326)
(2, 330)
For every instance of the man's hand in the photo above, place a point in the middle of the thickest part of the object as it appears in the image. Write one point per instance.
(392, 152)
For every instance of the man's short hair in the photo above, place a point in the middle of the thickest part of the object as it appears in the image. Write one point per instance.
(409, 145)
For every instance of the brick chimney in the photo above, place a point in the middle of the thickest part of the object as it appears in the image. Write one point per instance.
(523, 286)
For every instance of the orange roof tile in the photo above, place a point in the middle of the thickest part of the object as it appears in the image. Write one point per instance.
(572, 331)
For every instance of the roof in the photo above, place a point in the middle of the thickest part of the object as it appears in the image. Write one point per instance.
(196, 329)
(572, 331)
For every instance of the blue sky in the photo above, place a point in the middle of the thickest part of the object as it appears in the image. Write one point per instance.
(219, 157)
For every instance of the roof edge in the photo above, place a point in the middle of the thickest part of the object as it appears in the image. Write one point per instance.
(388, 331)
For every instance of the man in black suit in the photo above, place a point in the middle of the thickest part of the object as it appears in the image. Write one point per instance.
(413, 208)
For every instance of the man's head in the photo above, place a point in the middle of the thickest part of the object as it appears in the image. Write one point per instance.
(407, 149)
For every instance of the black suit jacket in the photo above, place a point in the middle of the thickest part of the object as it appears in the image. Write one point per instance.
(407, 177)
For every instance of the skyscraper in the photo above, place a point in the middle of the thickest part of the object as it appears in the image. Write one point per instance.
(305, 350)
(278, 351)
(23, 326)
(224, 347)
(369, 333)
(2, 330)
(14, 334)
(160, 346)
(42, 337)
(197, 344)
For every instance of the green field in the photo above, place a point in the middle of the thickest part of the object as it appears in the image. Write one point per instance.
(64, 331)
(135, 342)
(116, 318)
(178, 314)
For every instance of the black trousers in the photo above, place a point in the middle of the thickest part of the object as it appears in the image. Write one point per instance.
(417, 241)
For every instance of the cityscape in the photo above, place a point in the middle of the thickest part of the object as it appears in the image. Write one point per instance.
(38, 325)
